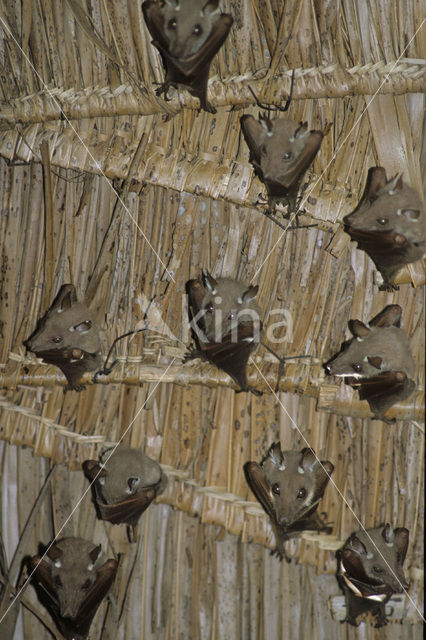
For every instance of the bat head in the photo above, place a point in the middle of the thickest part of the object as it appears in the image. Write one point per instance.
(389, 206)
(288, 484)
(126, 472)
(375, 558)
(67, 324)
(282, 142)
(281, 150)
(227, 304)
(73, 563)
(377, 347)
(188, 24)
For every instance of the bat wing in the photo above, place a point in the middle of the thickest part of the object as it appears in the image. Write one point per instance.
(303, 161)
(232, 354)
(377, 242)
(73, 362)
(253, 132)
(104, 578)
(195, 292)
(256, 481)
(384, 390)
(128, 511)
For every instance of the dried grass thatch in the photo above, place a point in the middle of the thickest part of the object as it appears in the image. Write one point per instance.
(100, 189)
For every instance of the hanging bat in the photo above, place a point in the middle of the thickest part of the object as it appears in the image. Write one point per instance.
(389, 224)
(370, 571)
(225, 319)
(281, 151)
(377, 361)
(71, 580)
(188, 34)
(289, 486)
(125, 483)
(68, 337)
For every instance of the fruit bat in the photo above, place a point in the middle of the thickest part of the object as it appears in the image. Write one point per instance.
(281, 151)
(188, 34)
(67, 336)
(125, 483)
(389, 224)
(71, 581)
(377, 361)
(289, 486)
(226, 324)
(370, 570)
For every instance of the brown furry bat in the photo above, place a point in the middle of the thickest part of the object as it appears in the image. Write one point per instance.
(188, 34)
(68, 337)
(377, 361)
(389, 224)
(72, 579)
(289, 486)
(281, 151)
(225, 319)
(125, 481)
(370, 570)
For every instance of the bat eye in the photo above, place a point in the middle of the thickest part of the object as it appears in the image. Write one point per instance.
(58, 581)
(57, 339)
(197, 30)
(276, 489)
(288, 155)
(382, 221)
(86, 585)
(377, 569)
(172, 23)
(83, 326)
(356, 367)
(209, 308)
(301, 494)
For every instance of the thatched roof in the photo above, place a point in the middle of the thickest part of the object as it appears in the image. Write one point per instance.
(127, 196)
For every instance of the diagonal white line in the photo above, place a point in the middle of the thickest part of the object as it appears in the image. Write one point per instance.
(312, 187)
(340, 493)
(83, 496)
(96, 163)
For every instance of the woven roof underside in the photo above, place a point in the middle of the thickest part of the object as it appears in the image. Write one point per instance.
(109, 187)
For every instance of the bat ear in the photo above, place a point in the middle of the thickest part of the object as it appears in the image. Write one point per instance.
(358, 329)
(324, 472)
(95, 552)
(211, 6)
(376, 180)
(357, 546)
(388, 534)
(402, 536)
(390, 316)
(375, 361)
(92, 469)
(308, 459)
(250, 293)
(54, 553)
(302, 131)
(210, 283)
(353, 564)
(409, 214)
(277, 455)
(266, 123)
(65, 298)
(132, 483)
(395, 184)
